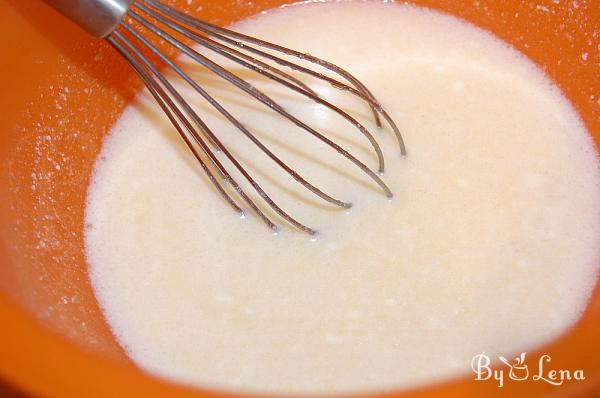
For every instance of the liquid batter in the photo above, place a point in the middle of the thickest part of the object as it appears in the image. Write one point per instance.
(489, 244)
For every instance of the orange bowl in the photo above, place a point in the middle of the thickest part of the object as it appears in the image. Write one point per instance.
(62, 91)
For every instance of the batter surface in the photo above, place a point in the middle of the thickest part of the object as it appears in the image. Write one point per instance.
(489, 244)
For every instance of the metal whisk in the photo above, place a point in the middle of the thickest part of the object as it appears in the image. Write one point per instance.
(108, 19)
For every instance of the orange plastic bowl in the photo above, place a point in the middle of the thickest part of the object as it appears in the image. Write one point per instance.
(61, 92)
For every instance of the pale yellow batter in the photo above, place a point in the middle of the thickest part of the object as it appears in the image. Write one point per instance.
(489, 244)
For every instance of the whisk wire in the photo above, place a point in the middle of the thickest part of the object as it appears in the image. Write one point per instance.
(213, 29)
(203, 127)
(238, 124)
(229, 53)
(225, 34)
(235, 47)
(161, 98)
(260, 96)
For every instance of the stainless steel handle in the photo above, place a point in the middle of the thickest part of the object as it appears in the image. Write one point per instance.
(97, 17)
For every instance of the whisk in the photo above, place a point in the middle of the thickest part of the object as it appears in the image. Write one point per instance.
(131, 26)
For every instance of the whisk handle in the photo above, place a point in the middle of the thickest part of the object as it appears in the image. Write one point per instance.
(97, 17)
